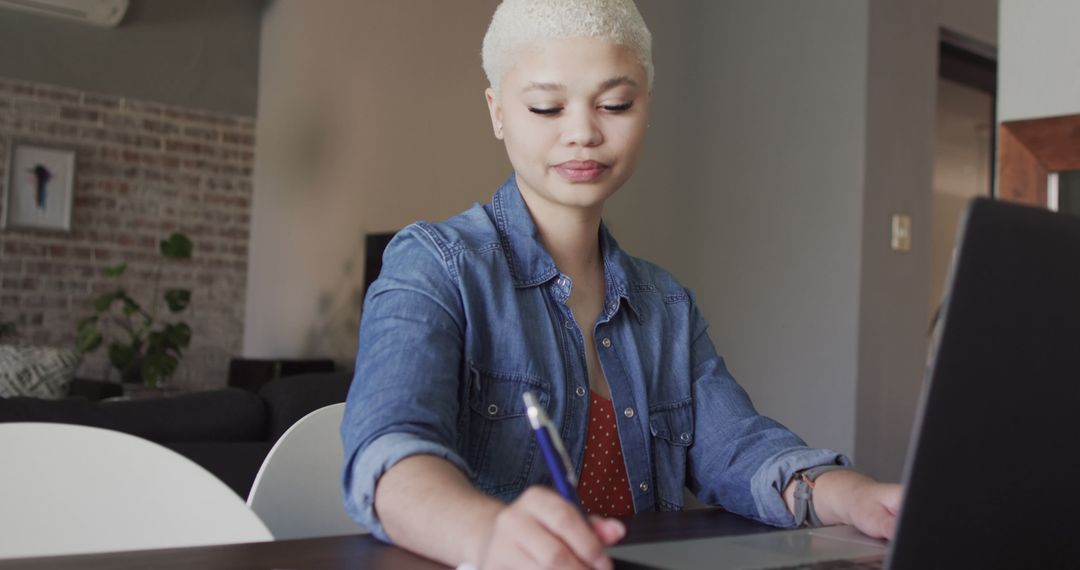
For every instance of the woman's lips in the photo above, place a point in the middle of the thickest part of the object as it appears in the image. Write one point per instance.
(580, 170)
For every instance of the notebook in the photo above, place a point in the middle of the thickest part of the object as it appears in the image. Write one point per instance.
(992, 473)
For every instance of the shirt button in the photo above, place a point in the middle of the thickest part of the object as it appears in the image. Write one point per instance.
(606, 342)
(580, 391)
(568, 324)
(684, 437)
(493, 409)
(628, 412)
(644, 486)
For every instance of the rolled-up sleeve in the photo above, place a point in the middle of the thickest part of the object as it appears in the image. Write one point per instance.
(404, 399)
(741, 459)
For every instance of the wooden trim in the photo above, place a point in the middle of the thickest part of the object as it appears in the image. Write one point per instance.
(1031, 149)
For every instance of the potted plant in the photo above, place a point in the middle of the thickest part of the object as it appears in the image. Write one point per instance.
(141, 347)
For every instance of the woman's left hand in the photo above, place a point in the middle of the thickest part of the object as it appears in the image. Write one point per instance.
(849, 497)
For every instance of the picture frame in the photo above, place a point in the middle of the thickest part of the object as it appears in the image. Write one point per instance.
(39, 184)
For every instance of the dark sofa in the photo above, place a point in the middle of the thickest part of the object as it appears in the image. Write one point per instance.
(227, 431)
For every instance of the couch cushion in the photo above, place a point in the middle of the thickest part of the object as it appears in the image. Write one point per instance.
(94, 389)
(67, 411)
(294, 397)
(36, 371)
(229, 414)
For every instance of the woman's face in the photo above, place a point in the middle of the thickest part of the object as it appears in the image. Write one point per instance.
(573, 114)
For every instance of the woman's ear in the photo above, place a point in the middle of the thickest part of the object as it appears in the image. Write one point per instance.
(495, 110)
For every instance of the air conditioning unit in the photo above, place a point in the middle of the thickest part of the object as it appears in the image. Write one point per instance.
(106, 13)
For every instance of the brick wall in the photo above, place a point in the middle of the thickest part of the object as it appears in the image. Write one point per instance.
(143, 171)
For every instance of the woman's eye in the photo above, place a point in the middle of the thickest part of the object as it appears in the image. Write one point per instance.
(618, 108)
(545, 110)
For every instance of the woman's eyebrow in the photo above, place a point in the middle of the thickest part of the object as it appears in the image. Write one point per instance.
(537, 86)
(618, 81)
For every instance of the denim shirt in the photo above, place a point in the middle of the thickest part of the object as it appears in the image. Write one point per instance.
(469, 313)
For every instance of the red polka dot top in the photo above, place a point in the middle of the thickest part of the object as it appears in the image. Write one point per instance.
(604, 488)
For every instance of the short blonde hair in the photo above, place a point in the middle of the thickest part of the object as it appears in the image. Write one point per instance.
(518, 24)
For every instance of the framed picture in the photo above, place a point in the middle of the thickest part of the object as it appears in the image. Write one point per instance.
(40, 180)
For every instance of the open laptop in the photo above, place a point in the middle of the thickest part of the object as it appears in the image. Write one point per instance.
(992, 478)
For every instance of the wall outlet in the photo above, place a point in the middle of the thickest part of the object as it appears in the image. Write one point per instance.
(901, 233)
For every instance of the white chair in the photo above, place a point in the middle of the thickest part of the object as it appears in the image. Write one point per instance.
(69, 489)
(297, 492)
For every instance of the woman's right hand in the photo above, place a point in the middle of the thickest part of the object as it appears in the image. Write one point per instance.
(542, 530)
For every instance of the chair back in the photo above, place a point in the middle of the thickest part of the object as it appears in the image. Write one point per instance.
(71, 489)
(297, 492)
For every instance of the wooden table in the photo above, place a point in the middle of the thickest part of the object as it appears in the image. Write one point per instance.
(363, 551)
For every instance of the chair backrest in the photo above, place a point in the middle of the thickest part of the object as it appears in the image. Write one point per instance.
(297, 492)
(70, 489)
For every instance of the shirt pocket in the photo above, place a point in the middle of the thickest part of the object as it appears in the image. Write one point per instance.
(672, 429)
(501, 446)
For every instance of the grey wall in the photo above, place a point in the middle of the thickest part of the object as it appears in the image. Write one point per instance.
(976, 19)
(895, 288)
(772, 202)
(193, 53)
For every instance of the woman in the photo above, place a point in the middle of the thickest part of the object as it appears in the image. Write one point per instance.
(531, 293)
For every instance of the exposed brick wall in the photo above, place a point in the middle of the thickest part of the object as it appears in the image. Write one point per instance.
(143, 171)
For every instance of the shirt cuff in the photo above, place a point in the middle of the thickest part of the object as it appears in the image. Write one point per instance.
(769, 481)
(377, 458)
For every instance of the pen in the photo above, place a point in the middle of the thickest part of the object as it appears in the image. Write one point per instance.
(558, 461)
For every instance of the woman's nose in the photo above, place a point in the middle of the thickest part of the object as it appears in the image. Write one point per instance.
(581, 129)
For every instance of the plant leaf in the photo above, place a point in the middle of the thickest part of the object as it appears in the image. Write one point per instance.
(105, 300)
(88, 339)
(122, 356)
(116, 270)
(87, 322)
(130, 306)
(177, 299)
(158, 367)
(178, 246)
(178, 335)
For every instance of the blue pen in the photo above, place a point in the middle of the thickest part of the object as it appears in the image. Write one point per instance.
(558, 461)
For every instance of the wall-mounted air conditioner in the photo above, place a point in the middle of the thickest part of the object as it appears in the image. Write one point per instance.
(107, 13)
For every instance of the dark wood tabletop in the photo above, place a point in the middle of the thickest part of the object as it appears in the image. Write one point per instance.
(363, 551)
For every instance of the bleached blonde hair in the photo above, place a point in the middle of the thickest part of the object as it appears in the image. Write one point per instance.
(519, 24)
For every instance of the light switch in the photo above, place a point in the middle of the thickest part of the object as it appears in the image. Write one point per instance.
(901, 233)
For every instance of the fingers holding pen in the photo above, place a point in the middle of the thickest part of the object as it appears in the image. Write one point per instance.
(543, 530)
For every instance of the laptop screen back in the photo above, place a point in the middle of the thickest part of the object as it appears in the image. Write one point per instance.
(993, 480)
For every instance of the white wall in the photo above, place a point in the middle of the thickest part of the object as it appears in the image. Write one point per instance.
(371, 116)
(749, 189)
(1039, 65)
(784, 135)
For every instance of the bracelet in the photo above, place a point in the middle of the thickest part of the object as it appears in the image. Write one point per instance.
(805, 515)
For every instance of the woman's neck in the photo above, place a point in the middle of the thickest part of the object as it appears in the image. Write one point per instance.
(571, 236)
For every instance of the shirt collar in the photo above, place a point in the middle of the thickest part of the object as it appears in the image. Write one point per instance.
(532, 265)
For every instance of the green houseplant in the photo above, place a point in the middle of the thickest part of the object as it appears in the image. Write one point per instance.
(141, 347)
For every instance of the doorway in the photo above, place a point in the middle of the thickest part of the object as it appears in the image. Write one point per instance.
(965, 150)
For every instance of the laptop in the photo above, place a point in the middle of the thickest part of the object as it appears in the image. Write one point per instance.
(992, 478)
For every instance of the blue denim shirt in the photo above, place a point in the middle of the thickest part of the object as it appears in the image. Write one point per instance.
(469, 313)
